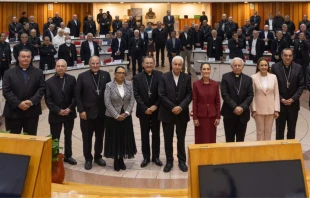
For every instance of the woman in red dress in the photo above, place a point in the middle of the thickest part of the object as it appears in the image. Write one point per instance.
(206, 107)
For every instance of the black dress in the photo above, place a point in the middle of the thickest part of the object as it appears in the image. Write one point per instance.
(119, 138)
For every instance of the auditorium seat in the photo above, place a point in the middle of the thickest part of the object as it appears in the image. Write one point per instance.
(77, 43)
(109, 50)
(108, 60)
(77, 52)
(79, 60)
(204, 48)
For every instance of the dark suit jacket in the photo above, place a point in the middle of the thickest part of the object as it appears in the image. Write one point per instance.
(132, 24)
(133, 50)
(145, 41)
(60, 96)
(247, 30)
(74, 28)
(270, 36)
(35, 41)
(220, 33)
(198, 38)
(231, 99)
(260, 46)
(290, 26)
(296, 84)
(305, 47)
(230, 28)
(206, 30)
(85, 51)
(47, 54)
(267, 23)
(63, 53)
(186, 41)
(176, 49)
(122, 48)
(116, 25)
(86, 97)
(127, 34)
(159, 37)
(140, 89)
(202, 18)
(308, 81)
(13, 29)
(48, 33)
(5, 50)
(15, 91)
(235, 49)
(255, 20)
(36, 27)
(46, 25)
(89, 27)
(277, 23)
(169, 98)
(218, 47)
(23, 31)
(307, 23)
(223, 24)
(17, 48)
(104, 26)
(277, 47)
(57, 21)
(166, 21)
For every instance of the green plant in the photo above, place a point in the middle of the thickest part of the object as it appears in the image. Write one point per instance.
(55, 149)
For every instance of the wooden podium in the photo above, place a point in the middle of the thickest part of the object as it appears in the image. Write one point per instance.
(228, 153)
(38, 181)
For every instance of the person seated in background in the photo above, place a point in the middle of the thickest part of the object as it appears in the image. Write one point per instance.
(35, 42)
(67, 51)
(64, 28)
(235, 46)
(47, 53)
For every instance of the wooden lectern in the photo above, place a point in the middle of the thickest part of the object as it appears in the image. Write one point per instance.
(228, 153)
(38, 181)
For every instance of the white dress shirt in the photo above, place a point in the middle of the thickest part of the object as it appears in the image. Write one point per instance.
(264, 82)
(66, 30)
(121, 89)
(266, 34)
(58, 40)
(142, 35)
(91, 47)
(185, 34)
(119, 42)
(176, 78)
(270, 24)
(253, 49)
(169, 17)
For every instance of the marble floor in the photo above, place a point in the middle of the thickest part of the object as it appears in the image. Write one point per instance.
(153, 176)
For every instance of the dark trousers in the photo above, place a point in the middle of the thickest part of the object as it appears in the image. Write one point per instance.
(291, 118)
(56, 131)
(234, 130)
(170, 61)
(88, 128)
(147, 123)
(29, 125)
(304, 66)
(136, 57)
(168, 129)
(162, 53)
(3, 67)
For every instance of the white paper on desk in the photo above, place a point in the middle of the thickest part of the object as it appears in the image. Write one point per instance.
(117, 61)
(211, 59)
(37, 57)
(249, 62)
(102, 36)
(198, 49)
(104, 42)
(72, 37)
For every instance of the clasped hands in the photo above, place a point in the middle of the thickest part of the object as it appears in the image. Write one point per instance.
(177, 110)
(64, 112)
(238, 110)
(287, 102)
(150, 110)
(24, 105)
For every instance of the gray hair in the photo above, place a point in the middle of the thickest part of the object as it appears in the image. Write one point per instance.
(237, 59)
(62, 60)
(177, 58)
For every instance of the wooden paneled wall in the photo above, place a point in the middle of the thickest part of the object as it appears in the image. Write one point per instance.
(41, 12)
(242, 11)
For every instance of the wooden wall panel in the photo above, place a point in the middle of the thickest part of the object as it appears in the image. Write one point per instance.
(41, 13)
(242, 11)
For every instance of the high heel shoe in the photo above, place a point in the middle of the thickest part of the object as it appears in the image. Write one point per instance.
(116, 164)
(122, 164)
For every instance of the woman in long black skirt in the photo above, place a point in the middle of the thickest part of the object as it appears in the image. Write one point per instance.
(119, 139)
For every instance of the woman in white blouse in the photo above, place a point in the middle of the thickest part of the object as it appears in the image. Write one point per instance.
(266, 103)
(119, 101)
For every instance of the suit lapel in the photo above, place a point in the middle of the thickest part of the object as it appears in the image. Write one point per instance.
(116, 89)
(172, 80)
(92, 81)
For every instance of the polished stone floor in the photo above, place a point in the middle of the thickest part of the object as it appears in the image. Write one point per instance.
(153, 176)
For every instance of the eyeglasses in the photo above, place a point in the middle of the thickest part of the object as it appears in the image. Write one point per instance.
(120, 73)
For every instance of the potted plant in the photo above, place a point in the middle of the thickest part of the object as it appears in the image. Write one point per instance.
(58, 170)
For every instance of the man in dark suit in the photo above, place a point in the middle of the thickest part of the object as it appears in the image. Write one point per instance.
(47, 53)
(235, 46)
(34, 25)
(286, 34)
(145, 37)
(25, 30)
(23, 19)
(104, 25)
(14, 28)
(74, 25)
(256, 46)
(132, 25)
(50, 32)
(237, 94)
(23, 88)
(47, 25)
(168, 21)
(145, 87)
(5, 55)
(222, 23)
(203, 17)
(198, 39)
(57, 20)
(127, 33)
(277, 46)
(255, 20)
(89, 48)
(90, 89)
(215, 47)
(220, 32)
(35, 42)
(278, 21)
(242, 38)
(206, 30)
(89, 26)
(173, 46)
(267, 36)
(304, 30)
(290, 24)
(118, 46)
(186, 48)
(247, 29)
(270, 22)
(135, 50)
(24, 44)
(175, 95)
(160, 37)
(291, 83)
(67, 51)
(116, 25)
(230, 27)
(301, 52)
(305, 21)
(99, 16)
(61, 102)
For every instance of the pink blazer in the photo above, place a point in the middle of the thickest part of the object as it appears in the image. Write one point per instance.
(265, 102)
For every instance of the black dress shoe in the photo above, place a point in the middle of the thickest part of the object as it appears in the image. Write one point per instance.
(183, 167)
(88, 165)
(122, 165)
(70, 160)
(157, 162)
(100, 162)
(144, 163)
(168, 167)
(116, 165)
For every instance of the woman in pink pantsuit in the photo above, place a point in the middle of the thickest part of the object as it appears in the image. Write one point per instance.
(266, 103)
